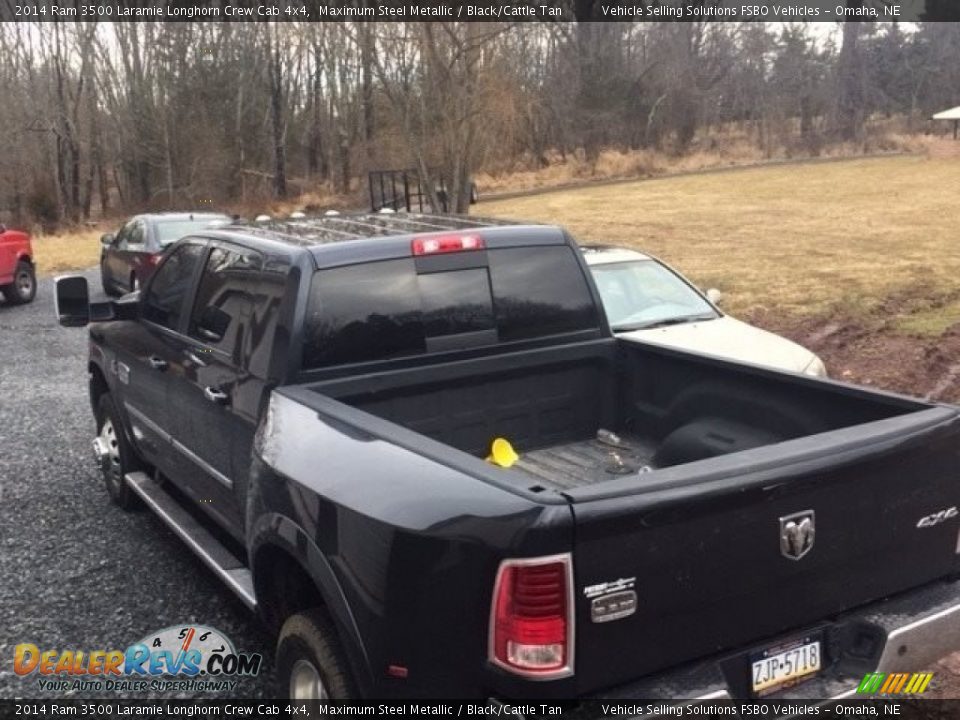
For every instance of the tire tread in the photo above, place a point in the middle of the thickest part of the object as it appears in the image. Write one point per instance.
(314, 630)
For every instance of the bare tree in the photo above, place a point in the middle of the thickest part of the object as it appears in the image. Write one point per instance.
(432, 75)
(123, 116)
(850, 111)
(275, 80)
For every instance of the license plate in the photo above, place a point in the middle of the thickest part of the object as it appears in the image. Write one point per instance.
(784, 665)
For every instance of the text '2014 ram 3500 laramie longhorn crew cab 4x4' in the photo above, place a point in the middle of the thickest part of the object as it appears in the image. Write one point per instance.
(673, 525)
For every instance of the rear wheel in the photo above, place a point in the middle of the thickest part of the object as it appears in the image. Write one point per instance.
(310, 662)
(24, 286)
(117, 456)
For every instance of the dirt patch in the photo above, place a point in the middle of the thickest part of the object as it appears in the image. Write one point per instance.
(946, 679)
(869, 349)
(925, 367)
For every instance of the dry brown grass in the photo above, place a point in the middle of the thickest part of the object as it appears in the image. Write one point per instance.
(729, 147)
(67, 251)
(613, 164)
(805, 240)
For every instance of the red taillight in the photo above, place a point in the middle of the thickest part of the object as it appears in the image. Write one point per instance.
(436, 244)
(532, 621)
(154, 259)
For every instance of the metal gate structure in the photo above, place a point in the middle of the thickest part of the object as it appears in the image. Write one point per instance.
(402, 190)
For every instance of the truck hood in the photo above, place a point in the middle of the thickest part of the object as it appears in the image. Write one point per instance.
(731, 339)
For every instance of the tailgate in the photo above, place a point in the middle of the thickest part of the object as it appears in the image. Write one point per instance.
(704, 544)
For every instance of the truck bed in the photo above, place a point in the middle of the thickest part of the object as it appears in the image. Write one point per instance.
(709, 539)
(666, 408)
(588, 462)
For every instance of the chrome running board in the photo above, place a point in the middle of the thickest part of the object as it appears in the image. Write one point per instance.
(211, 551)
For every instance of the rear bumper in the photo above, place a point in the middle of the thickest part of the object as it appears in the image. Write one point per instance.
(905, 633)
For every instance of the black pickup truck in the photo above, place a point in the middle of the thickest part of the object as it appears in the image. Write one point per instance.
(312, 405)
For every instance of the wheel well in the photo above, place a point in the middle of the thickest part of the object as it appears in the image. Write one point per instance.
(25, 258)
(283, 586)
(98, 386)
(769, 413)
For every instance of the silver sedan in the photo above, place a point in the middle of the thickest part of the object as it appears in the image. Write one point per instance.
(647, 300)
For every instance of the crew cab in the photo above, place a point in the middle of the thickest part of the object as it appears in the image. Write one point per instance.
(412, 444)
(18, 279)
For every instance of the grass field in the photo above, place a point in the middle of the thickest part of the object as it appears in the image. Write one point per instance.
(802, 240)
(69, 251)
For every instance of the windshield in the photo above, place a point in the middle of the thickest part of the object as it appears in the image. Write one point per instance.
(644, 293)
(169, 231)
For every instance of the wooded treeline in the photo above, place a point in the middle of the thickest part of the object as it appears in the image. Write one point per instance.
(96, 119)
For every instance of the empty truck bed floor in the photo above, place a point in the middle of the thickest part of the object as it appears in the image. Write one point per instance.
(586, 462)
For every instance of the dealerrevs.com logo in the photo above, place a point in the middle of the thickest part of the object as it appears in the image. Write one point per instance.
(185, 658)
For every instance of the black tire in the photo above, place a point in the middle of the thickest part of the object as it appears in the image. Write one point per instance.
(121, 457)
(23, 289)
(308, 640)
(108, 288)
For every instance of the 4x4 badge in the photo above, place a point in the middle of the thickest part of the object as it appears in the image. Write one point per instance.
(938, 517)
(797, 533)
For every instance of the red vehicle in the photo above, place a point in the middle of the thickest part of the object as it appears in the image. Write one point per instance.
(18, 279)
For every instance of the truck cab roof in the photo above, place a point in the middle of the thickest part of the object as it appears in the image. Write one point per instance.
(334, 240)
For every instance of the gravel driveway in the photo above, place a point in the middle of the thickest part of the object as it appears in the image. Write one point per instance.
(75, 571)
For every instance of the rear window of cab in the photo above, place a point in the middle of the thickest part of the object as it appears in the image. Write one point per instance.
(389, 309)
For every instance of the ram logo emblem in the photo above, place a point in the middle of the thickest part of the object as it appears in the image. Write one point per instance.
(797, 533)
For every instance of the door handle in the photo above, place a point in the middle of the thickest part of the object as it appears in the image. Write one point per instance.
(157, 363)
(216, 395)
(192, 356)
